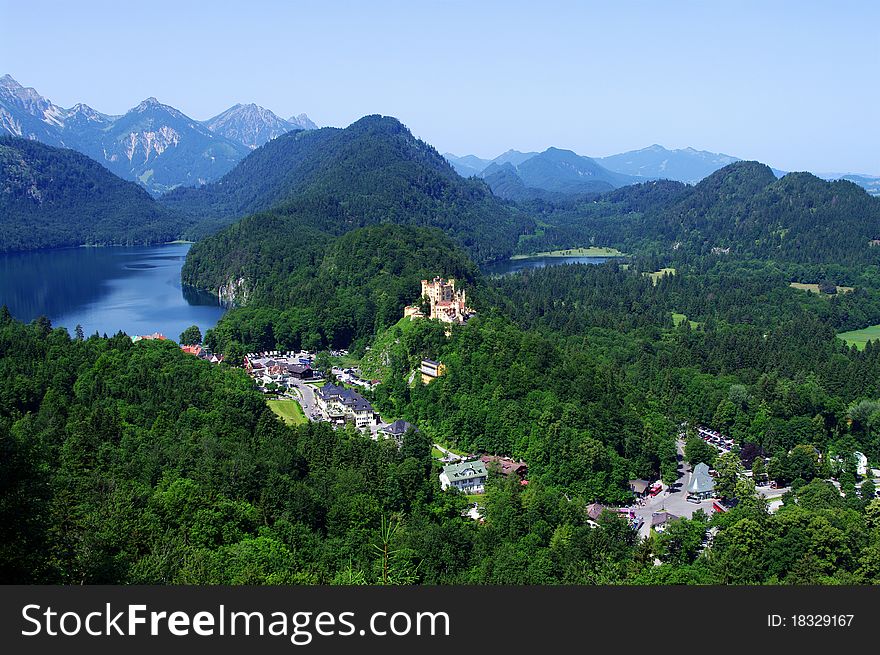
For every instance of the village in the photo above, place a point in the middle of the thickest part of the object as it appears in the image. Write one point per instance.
(332, 393)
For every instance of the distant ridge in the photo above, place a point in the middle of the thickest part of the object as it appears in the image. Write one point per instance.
(152, 144)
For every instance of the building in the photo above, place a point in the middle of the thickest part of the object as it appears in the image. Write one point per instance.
(467, 477)
(701, 486)
(443, 302)
(396, 431)
(156, 336)
(639, 487)
(431, 370)
(196, 350)
(594, 511)
(659, 520)
(299, 371)
(340, 405)
(505, 466)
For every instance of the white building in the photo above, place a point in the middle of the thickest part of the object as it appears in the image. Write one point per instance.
(467, 477)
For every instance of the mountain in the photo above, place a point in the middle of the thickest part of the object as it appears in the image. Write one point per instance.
(567, 172)
(743, 207)
(25, 113)
(249, 125)
(52, 197)
(153, 144)
(514, 157)
(303, 122)
(552, 173)
(870, 183)
(252, 125)
(470, 165)
(160, 147)
(506, 183)
(466, 166)
(656, 162)
(373, 171)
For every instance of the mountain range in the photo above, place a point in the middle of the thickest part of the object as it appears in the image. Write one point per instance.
(551, 174)
(153, 144)
(652, 163)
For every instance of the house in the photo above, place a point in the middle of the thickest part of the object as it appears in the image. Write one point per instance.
(467, 477)
(193, 350)
(431, 370)
(505, 465)
(639, 487)
(299, 371)
(594, 511)
(659, 520)
(396, 430)
(339, 405)
(701, 486)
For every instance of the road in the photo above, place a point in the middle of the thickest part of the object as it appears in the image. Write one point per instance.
(673, 498)
(305, 394)
(447, 452)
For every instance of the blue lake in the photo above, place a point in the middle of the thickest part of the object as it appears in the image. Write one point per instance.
(134, 289)
(514, 265)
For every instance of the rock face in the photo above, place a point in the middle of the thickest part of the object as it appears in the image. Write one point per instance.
(234, 292)
(153, 144)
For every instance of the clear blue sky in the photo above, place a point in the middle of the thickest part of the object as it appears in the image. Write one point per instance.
(793, 84)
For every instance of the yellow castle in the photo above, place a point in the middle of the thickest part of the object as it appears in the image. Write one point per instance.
(446, 304)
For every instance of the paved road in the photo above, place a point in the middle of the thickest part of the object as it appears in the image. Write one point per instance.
(446, 452)
(305, 394)
(673, 499)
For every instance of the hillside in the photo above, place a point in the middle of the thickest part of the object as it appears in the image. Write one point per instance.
(506, 183)
(303, 288)
(373, 171)
(798, 218)
(53, 197)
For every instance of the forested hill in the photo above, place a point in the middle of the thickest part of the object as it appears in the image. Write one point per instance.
(54, 197)
(303, 288)
(373, 171)
(799, 218)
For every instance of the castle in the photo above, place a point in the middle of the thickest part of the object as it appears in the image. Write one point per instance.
(446, 304)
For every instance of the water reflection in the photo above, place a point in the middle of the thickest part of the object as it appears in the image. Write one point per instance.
(134, 289)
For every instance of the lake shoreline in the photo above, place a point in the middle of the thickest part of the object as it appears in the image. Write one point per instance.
(592, 251)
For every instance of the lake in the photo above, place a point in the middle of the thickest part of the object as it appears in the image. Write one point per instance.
(134, 289)
(515, 265)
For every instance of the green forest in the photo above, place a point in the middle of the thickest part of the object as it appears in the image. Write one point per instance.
(136, 463)
(54, 197)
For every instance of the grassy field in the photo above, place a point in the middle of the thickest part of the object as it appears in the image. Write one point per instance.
(814, 288)
(656, 275)
(346, 361)
(678, 318)
(859, 338)
(576, 252)
(289, 410)
(476, 498)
